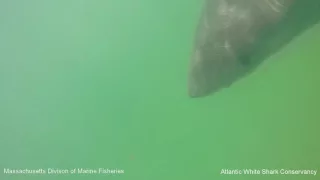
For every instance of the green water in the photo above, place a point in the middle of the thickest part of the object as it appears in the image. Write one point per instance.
(102, 84)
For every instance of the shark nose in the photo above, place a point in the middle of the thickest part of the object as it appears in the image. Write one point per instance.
(196, 93)
(197, 82)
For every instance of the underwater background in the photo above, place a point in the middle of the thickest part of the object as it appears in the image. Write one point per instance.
(102, 84)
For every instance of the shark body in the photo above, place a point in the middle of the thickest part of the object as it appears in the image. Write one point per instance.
(228, 35)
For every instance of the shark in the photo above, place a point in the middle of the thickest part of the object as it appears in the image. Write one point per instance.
(234, 37)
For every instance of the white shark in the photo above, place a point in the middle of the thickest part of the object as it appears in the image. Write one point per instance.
(230, 32)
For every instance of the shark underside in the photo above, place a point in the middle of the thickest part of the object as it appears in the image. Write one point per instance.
(234, 36)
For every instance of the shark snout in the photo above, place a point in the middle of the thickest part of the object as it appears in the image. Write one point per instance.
(198, 84)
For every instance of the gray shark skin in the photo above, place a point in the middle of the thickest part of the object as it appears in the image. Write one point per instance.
(234, 36)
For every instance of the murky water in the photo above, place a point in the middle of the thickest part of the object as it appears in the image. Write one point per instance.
(102, 84)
